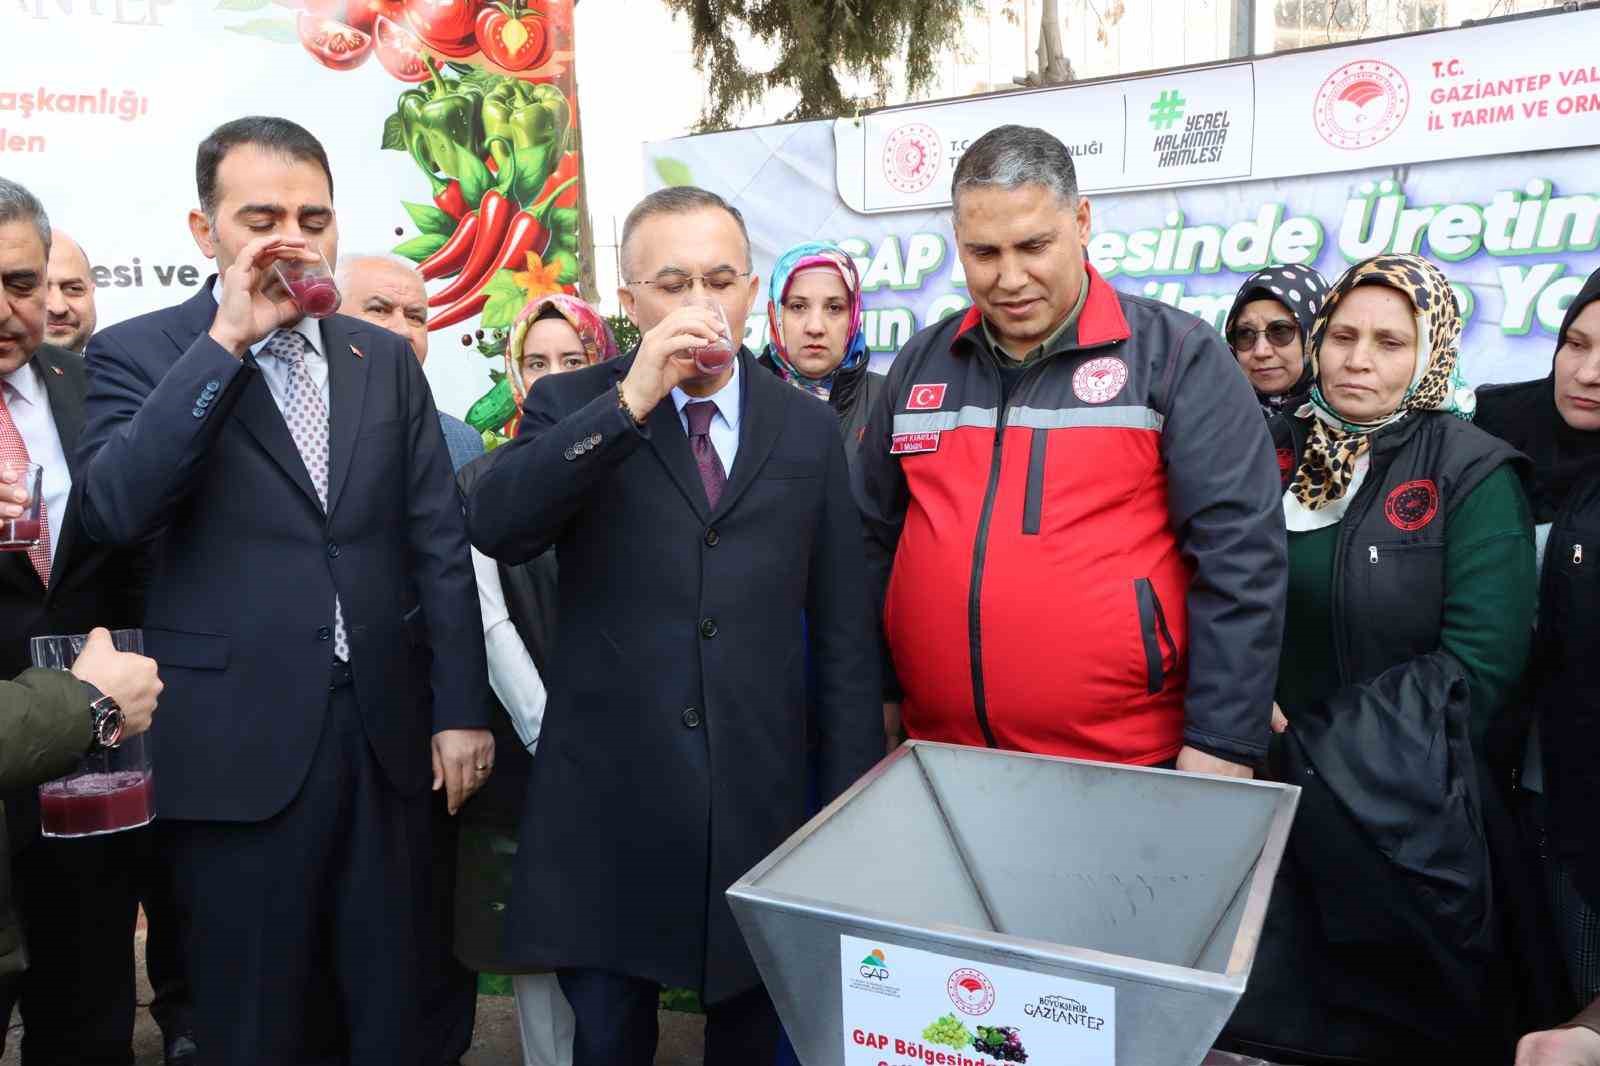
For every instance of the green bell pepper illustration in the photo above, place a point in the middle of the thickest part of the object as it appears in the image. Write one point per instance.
(442, 122)
(534, 120)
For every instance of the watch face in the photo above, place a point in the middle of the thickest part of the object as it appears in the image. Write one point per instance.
(108, 726)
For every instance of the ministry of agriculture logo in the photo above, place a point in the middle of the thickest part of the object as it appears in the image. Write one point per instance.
(1361, 104)
(911, 158)
(1099, 380)
(970, 991)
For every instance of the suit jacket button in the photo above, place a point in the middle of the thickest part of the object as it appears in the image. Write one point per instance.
(708, 628)
(595, 439)
(213, 386)
(333, 551)
(691, 719)
(323, 633)
(569, 455)
(713, 538)
(199, 412)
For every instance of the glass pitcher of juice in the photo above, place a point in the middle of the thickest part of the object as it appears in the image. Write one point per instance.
(108, 791)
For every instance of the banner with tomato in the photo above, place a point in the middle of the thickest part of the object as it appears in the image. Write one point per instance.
(488, 119)
(451, 127)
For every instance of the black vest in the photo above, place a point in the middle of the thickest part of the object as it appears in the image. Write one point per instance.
(1388, 570)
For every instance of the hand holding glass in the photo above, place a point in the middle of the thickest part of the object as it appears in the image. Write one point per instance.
(21, 533)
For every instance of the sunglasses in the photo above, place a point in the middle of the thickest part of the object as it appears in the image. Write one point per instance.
(1279, 335)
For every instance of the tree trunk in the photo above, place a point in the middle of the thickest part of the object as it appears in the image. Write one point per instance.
(1054, 66)
(587, 289)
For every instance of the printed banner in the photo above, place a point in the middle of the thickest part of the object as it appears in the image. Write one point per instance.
(1517, 234)
(428, 110)
(1512, 87)
(904, 1006)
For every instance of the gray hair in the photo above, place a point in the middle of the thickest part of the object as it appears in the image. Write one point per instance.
(18, 204)
(348, 264)
(677, 200)
(1008, 157)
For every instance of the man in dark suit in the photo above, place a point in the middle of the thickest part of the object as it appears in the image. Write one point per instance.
(312, 607)
(388, 291)
(703, 525)
(78, 898)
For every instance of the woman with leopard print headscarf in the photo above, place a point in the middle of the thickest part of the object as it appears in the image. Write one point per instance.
(1409, 617)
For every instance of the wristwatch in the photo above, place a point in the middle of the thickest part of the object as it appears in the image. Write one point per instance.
(105, 720)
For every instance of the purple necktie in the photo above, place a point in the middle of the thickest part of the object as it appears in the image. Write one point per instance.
(712, 476)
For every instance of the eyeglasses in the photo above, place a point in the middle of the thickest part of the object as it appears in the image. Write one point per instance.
(1279, 335)
(673, 284)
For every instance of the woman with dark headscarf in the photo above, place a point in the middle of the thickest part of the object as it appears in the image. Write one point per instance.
(1409, 614)
(1268, 328)
(1555, 422)
(817, 343)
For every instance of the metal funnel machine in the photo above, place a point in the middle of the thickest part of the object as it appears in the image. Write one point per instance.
(963, 906)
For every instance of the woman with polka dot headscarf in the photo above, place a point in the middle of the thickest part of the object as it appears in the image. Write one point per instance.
(1267, 329)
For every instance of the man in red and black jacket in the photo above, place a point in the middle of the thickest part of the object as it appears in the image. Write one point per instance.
(1071, 502)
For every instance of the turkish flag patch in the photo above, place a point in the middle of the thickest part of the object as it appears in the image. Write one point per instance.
(926, 397)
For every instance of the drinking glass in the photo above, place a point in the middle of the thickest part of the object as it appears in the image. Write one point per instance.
(713, 358)
(20, 534)
(310, 285)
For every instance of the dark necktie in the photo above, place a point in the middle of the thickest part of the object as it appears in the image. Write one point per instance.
(712, 476)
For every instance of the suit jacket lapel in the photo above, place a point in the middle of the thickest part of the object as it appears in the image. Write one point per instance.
(347, 397)
(761, 415)
(671, 445)
(64, 385)
(256, 410)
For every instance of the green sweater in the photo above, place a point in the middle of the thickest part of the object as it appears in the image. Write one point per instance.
(1490, 587)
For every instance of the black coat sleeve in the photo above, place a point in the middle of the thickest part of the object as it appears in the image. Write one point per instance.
(1225, 502)
(538, 482)
(881, 493)
(840, 627)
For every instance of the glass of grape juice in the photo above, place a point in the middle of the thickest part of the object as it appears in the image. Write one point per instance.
(20, 534)
(310, 285)
(713, 358)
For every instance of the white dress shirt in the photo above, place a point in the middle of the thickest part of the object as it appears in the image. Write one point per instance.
(29, 405)
(724, 430)
(272, 367)
(512, 675)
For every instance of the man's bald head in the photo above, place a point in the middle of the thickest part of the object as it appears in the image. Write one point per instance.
(388, 292)
(69, 303)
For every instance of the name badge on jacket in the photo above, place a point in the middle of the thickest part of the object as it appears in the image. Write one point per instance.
(911, 443)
